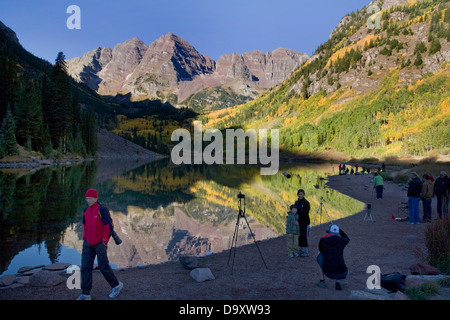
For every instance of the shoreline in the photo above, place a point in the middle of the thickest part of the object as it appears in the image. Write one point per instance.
(392, 245)
(35, 164)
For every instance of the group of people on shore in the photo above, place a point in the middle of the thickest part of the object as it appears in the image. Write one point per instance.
(331, 246)
(345, 169)
(426, 189)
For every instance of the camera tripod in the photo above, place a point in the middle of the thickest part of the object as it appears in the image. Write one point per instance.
(241, 214)
(320, 210)
(368, 216)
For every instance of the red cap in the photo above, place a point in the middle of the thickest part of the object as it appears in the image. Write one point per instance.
(91, 193)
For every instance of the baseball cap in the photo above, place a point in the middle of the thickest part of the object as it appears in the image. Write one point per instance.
(334, 229)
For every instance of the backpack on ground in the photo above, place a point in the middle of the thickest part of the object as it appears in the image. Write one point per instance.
(393, 281)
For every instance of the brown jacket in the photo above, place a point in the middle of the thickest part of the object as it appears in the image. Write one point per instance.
(427, 189)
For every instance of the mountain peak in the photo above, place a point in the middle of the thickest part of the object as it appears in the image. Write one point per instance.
(134, 40)
(171, 40)
(170, 66)
(170, 37)
(9, 33)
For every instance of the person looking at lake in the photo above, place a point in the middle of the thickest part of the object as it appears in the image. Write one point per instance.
(414, 190)
(292, 231)
(331, 256)
(441, 190)
(427, 196)
(303, 208)
(378, 185)
(96, 233)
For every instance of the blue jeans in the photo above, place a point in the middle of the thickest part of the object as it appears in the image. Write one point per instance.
(413, 209)
(335, 276)
(426, 209)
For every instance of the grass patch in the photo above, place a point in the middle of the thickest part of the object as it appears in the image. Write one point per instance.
(424, 291)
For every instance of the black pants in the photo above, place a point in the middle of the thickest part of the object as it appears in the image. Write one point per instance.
(379, 192)
(87, 264)
(303, 238)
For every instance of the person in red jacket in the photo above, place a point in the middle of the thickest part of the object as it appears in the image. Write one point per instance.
(96, 232)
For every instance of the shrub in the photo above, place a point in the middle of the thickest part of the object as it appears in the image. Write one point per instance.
(435, 46)
(419, 60)
(437, 238)
(423, 292)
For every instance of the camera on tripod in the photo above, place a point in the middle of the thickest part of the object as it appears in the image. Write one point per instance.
(241, 215)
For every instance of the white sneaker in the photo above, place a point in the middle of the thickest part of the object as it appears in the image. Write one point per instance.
(116, 290)
(84, 297)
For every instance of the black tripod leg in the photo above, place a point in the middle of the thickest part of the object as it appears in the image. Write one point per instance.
(253, 236)
(234, 243)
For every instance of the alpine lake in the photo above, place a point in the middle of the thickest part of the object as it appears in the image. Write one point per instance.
(161, 211)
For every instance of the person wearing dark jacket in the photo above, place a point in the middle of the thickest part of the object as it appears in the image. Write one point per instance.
(441, 190)
(331, 256)
(303, 208)
(427, 196)
(414, 190)
(96, 232)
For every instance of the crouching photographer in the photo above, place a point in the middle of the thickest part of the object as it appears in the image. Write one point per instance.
(331, 256)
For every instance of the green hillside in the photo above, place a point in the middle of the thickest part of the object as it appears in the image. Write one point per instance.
(365, 92)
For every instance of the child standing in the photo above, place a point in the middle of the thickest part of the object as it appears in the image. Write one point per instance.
(292, 231)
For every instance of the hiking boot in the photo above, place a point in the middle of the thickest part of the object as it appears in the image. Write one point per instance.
(116, 290)
(304, 252)
(84, 297)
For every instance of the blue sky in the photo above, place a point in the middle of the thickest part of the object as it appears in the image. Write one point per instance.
(212, 27)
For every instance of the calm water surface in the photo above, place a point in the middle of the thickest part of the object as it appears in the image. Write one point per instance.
(160, 210)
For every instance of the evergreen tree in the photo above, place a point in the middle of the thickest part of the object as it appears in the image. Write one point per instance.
(78, 145)
(419, 60)
(8, 81)
(29, 117)
(8, 143)
(420, 48)
(89, 131)
(305, 86)
(57, 105)
(46, 142)
(435, 46)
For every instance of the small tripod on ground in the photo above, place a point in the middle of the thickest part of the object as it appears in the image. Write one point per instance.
(320, 210)
(241, 214)
(368, 216)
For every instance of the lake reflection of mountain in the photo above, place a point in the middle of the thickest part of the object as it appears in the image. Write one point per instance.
(160, 211)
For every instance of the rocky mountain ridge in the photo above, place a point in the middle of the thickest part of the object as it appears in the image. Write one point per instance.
(377, 51)
(172, 70)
